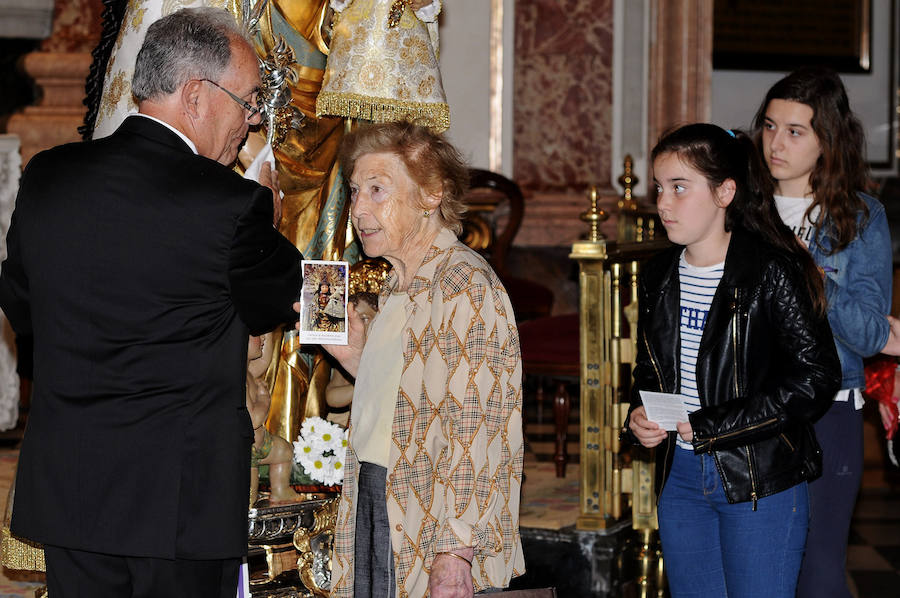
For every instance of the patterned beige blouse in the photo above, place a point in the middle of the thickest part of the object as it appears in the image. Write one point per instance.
(456, 458)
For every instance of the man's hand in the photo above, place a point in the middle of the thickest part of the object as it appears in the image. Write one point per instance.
(268, 177)
(647, 432)
(349, 355)
(451, 577)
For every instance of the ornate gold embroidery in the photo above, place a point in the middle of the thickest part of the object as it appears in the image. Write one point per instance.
(426, 86)
(134, 16)
(372, 66)
(371, 76)
(415, 50)
(118, 87)
(138, 19)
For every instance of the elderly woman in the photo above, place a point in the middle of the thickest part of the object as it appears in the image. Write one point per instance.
(431, 492)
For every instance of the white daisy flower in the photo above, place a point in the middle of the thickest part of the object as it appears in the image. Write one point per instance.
(321, 449)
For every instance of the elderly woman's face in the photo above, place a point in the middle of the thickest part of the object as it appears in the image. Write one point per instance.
(385, 205)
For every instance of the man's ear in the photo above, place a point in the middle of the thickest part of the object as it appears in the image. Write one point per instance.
(725, 193)
(192, 98)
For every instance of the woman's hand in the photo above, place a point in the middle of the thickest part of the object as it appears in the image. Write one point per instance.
(685, 431)
(349, 355)
(647, 432)
(451, 577)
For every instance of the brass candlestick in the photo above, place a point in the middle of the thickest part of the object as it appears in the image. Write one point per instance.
(628, 180)
(594, 216)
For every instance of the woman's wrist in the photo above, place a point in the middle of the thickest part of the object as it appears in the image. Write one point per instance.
(458, 556)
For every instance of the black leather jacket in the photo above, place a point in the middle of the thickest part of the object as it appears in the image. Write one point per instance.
(767, 367)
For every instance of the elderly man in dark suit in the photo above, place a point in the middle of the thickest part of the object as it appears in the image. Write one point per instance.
(140, 262)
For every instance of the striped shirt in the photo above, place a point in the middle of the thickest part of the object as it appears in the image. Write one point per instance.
(698, 286)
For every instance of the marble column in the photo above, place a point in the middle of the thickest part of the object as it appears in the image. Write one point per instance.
(680, 65)
(59, 70)
(562, 114)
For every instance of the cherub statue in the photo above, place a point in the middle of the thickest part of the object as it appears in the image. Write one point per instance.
(268, 449)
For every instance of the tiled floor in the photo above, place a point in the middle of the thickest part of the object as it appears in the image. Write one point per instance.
(873, 557)
(873, 565)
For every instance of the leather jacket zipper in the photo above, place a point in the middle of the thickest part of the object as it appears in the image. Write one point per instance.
(653, 362)
(787, 442)
(736, 343)
(662, 389)
(753, 496)
(735, 340)
(709, 443)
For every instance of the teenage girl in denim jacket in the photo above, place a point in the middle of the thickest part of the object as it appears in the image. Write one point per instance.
(813, 146)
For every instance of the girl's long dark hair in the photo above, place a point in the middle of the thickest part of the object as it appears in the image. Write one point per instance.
(841, 170)
(720, 155)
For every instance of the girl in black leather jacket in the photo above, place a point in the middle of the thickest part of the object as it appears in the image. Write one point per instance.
(732, 322)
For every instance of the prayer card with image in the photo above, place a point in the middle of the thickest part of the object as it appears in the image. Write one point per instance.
(323, 302)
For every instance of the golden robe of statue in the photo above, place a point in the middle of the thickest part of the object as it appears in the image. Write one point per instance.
(315, 211)
(315, 206)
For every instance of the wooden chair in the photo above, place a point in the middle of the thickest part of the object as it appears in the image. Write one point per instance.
(495, 210)
(551, 351)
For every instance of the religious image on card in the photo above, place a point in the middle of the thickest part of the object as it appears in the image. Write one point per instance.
(323, 302)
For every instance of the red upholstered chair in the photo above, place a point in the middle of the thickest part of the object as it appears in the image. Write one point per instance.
(549, 343)
(551, 350)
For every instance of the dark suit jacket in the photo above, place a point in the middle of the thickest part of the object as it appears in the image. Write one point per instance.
(140, 266)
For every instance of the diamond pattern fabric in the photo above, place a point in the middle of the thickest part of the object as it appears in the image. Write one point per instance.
(455, 470)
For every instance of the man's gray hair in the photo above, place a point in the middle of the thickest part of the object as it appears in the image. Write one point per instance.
(192, 43)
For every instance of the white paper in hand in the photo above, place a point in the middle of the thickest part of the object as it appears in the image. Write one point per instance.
(664, 409)
(265, 155)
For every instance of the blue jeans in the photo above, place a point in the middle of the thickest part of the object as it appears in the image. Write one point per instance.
(712, 548)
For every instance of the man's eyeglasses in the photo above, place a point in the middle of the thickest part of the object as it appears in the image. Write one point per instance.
(250, 108)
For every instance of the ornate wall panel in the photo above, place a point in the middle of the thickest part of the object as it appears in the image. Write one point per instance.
(76, 26)
(563, 93)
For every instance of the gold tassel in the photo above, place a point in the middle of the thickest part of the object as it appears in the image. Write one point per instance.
(434, 116)
(21, 554)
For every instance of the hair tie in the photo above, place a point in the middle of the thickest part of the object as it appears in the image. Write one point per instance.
(730, 132)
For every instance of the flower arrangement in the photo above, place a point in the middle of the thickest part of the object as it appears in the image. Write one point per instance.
(320, 450)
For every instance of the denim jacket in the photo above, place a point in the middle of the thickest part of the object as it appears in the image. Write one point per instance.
(858, 289)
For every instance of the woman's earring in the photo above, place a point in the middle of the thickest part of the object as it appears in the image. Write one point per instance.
(427, 213)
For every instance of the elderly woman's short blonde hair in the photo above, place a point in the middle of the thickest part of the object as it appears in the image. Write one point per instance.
(432, 162)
